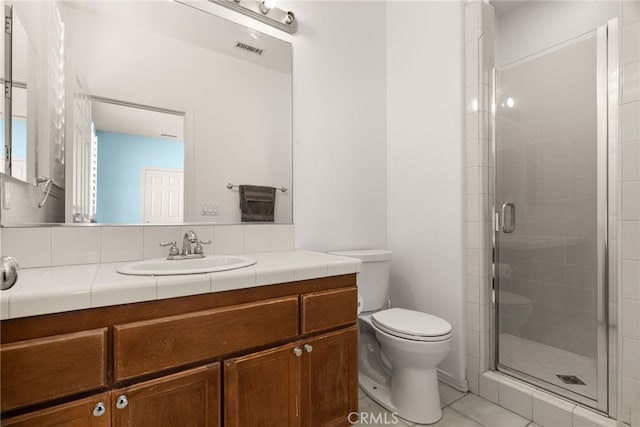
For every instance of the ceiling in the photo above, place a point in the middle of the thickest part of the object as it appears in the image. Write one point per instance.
(128, 120)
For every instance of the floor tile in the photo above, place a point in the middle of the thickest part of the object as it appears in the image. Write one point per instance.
(376, 415)
(452, 418)
(448, 394)
(487, 413)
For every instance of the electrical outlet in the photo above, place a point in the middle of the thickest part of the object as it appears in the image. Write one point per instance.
(209, 209)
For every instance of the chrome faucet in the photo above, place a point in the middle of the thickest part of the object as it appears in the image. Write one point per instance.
(187, 252)
(188, 238)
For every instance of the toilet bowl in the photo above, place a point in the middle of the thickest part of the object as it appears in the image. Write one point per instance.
(513, 312)
(399, 349)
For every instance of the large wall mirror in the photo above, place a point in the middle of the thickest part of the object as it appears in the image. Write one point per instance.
(165, 104)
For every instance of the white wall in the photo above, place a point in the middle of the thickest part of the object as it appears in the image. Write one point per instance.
(425, 163)
(339, 103)
(535, 25)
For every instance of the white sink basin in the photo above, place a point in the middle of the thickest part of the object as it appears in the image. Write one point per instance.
(165, 267)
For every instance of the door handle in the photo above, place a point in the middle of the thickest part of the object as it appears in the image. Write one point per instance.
(511, 225)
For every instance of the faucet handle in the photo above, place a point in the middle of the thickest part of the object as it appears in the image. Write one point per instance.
(198, 248)
(173, 249)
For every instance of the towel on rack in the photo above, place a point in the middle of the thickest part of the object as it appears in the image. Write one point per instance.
(257, 203)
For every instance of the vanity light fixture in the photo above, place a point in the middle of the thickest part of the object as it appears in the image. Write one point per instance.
(264, 11)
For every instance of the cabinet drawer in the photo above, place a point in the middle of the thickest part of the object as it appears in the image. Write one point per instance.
(155, 345)
(42, 369)
(329, 309)
(84, 412)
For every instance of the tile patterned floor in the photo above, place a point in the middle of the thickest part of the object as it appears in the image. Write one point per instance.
(459, 410)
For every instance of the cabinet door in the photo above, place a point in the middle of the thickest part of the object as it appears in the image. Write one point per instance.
(263, 389)
(90, 412)
(186, 399)
(330, 378)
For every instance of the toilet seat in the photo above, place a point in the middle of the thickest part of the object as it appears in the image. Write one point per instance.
(412, 325)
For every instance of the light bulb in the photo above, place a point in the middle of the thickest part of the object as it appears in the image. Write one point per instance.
(269, 4)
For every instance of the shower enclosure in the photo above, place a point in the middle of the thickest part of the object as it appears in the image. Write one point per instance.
(550, 144)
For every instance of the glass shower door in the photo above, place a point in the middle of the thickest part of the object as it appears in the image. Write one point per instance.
(550, 234)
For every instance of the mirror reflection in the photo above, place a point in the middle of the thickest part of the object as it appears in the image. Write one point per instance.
(139, 176)
(131, 69)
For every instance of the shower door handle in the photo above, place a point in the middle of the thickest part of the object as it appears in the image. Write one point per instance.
(511, 225)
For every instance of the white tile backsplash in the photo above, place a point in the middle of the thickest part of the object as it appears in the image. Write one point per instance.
(257, 238)
(121, 244)
(282, 237)
(75, 245)
(70, 245)
(31, 247)
(154, 235)
(229, 239)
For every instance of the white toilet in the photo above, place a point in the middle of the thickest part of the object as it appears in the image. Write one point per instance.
(399, 350)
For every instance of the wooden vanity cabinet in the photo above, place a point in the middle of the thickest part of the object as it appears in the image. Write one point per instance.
(186, 399)
(278, 355)
(311, 382)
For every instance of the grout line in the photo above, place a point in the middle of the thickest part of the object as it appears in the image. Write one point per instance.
(467, 417)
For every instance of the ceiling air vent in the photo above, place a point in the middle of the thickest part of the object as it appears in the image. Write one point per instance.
(250, 48)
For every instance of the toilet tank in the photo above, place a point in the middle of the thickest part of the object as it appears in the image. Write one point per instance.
(373, 279)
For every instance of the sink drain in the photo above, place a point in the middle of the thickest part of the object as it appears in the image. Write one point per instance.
(571, 379)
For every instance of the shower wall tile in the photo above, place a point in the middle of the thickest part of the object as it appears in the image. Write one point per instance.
(631, 82)
(631, 358)
(630, 277)
(631, 161)
(631, 43)
(629, 400)
(472, 293)
(631, 201)
(631, 240)
(631, 122)
(630, 11)
(631, 319)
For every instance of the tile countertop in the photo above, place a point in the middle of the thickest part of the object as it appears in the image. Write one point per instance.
(75, 287)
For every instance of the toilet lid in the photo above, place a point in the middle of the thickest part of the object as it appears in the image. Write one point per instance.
(411, 324)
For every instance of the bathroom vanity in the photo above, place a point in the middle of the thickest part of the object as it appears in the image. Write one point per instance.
(282, 354)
